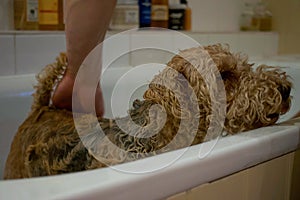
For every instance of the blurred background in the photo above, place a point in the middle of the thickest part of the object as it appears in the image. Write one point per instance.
(206, 16)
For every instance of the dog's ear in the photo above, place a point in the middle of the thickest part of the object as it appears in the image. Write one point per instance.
(227, 66)
(228, 75)
(36, 161)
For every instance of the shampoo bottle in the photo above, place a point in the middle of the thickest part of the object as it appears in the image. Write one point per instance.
(145, 13)
(26, 14)
(160, 13)
(187, 16)
(51, 15)
(176, 15)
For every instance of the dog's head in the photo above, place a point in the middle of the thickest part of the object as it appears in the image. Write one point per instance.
(262, 95)
(254, 97)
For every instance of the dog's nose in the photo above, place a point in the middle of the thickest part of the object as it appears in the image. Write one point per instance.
(285, 107)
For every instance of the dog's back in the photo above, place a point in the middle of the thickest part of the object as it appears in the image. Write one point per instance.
(25, 139)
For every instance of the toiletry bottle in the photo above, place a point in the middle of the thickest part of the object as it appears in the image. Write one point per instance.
(19, 14)
(125, 15)
(145, 13)
(176, 15)
(159, 13)
(266, 21)
(187, 16)
(26, 14)
(262, 17)
(51, 15)
(247, 19)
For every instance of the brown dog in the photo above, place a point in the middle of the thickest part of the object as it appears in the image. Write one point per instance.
(48, 143)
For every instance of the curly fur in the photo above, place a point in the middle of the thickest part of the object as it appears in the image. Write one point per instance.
(48, 143)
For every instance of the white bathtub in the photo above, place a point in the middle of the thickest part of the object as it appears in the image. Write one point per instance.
(231, 154)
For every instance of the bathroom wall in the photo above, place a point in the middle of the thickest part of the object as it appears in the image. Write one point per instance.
(213, 21)
(29, 52)
(207, 15)
(6, 15)
(216, 15)
(286, 21)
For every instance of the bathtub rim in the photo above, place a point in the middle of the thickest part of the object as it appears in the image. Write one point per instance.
(256, 148)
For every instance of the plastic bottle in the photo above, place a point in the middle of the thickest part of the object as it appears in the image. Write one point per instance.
(176, 15)
(187, 16)
(160, 13)
(26, 14)
(145, 13)
(51, 15)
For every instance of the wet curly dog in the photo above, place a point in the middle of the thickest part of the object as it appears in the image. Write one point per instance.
(48, 142)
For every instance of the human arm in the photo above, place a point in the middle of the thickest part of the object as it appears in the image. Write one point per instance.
(86, 24)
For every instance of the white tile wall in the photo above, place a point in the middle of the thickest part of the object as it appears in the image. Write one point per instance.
(33, 52)
(151, 47)
(228, 14)
(7, 55)
(204, 15)
(259, 44)
(22, 53)
(6, 15)
(216, 15)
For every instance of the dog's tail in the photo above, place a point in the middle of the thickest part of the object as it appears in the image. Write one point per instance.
(47, 79)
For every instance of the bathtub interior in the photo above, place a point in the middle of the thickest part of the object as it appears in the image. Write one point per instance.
(15, 97)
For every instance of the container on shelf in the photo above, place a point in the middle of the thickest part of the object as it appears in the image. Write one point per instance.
(262, 17)
(160, 13)
(51, 15)
(176, 15)
(125, 16)
(144, 13)
(26, 14)
(187, 16)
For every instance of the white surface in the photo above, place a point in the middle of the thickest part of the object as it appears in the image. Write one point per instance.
(33, 52)
(216, 15)
(7, 55)
(230, 155)
(28, 52)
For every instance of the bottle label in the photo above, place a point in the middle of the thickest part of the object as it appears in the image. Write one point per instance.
(132, 16)
(145, 12)
(48, 12)
(159, 12)
(176, 19)
(32, 7)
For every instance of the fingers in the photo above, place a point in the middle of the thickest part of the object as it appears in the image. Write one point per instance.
(84, 100)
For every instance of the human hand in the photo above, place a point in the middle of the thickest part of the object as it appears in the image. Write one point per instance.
(62, 97)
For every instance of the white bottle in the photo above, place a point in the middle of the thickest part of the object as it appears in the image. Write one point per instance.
(125, 16)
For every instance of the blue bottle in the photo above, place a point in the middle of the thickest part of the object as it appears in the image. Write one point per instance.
(145, 13)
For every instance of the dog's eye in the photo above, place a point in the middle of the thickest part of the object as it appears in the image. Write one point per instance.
(273, 115)
(226, 75)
